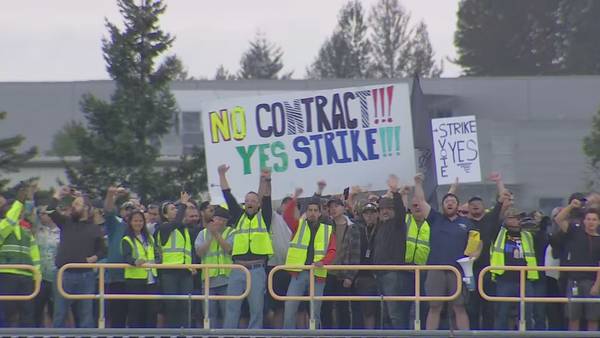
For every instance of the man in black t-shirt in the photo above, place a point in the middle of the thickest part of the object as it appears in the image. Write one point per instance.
(582, 248)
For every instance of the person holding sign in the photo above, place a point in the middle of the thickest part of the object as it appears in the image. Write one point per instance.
(251, 247)
(449, 238)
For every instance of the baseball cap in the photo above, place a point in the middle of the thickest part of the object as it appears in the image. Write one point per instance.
(370, 206)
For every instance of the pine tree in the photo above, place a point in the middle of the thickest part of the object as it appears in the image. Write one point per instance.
(510, 37)
(577, 38)
(11, 158)
(64, 142)
(263, 60)
(390, 38)
(122, 141)
(223, 74)
(421, 59)
(346, 53)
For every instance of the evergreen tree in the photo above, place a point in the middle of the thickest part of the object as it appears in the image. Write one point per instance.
(591, 143)
(390, 38)
(64, 142)
(263, 60)
(510, 37)
(122, 141)
(346, 53)
(577, 38)
(11, 158)
(421, 59)
(223, 74)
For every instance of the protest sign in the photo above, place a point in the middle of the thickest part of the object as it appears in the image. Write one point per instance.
(348, 136)
(456, 149)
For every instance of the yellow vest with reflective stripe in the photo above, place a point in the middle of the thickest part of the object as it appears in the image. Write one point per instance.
(417, 241)
(17, 245)
(178, 248)
(497, 253)
(251, 235)
(298, 250)
(216, 254)
(140, 252)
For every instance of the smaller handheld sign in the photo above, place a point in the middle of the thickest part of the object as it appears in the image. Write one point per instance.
(456, 149)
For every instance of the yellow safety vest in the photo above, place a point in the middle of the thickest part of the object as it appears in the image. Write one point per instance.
(140, 252)
(497, 253)
(417, 241)
(298, 250)
(216, 254)
(178, 248)
(17, 246)
(251, 235)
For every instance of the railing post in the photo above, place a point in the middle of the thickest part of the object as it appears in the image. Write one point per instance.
(205, 274)
(522, 320)
(417, 298)
(311, 293)
(101, 319)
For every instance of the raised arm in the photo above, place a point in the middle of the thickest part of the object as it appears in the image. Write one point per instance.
(264, 191)
(562, 218)
(420, 194)
(454, 187)
(58, 218)
(399, 208)
(233, 206)
(321, 184)
(497, 178)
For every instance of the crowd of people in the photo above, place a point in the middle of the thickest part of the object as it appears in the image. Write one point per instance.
(395, 227)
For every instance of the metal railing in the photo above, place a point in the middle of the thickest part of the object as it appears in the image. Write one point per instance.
(523, 298)
(102, 295)
(417, 298)
(37, 282)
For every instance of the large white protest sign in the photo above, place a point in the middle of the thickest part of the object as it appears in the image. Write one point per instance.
(456, 149)
(348, 136)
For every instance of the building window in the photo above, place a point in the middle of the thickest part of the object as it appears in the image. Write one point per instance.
(191, 135)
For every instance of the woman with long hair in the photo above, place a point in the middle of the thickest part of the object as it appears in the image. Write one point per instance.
(138, 248)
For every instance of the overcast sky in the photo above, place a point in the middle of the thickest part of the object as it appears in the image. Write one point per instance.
(60, 40)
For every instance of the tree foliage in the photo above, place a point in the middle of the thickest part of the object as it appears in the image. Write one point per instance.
(535, 37)
(11, 156)
(64, 142)
(262, 60)
(122, 141)
(390, 38)
(346, 54)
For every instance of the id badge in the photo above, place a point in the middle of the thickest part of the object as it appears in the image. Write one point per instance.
(575, 290)
(368, 253)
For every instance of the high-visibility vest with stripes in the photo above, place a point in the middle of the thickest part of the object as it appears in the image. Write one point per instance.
(417, 241)
(140, 252)
(497, 253)
(298, 250)
(178, 248)
(252, 236)
(216, 254)
(17, 245)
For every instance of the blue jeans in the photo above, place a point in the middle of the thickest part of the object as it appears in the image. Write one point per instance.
(256, 298)
(216, 308)
(76, 283)
(390, 284)
(299, 287)
(177, 282)
(509, 288)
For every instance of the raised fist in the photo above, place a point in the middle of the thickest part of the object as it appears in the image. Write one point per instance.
(393, 183)
(495, 177)
(265, 173)
(298, 192)
(321, 184)
(223, 168)
(419, 178)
